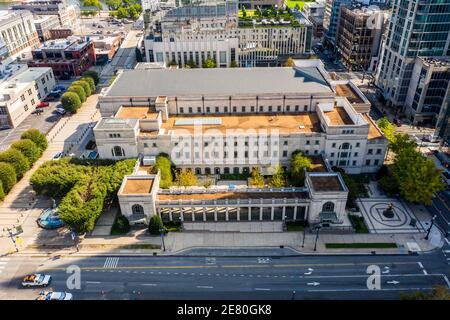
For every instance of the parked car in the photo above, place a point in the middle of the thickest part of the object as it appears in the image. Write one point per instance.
(42, 104)
(37, 111)
(36, 280)
(57, 156)
(50, 98)
(50, 295)
(61, 111)
(60, 88)
(5, 127)
(49, 219)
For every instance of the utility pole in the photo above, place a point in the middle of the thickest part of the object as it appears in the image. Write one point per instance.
(162, 231)
(317, 237)
(304, 236)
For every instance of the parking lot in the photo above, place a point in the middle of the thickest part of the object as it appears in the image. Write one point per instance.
(102, 26)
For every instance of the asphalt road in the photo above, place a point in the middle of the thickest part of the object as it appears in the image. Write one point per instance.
(194, 277)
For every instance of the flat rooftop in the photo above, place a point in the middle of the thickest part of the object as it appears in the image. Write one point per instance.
(317, 164)
(374, 132)
(345, 90)
(285, 123)
(128, 112)
(326, 183)
(231, 195)
(220, 81)
(338, 117)
(137, 186)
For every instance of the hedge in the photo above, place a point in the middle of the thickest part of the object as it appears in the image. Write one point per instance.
(92, 74)
(37, 137)
(164, 164)
(28, 148)
(8, 176)
(91, 82)
(79, 91)
(70, 102)
(17, 160)
(85, 85)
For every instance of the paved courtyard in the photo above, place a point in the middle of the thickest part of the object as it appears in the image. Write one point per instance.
(398, 220)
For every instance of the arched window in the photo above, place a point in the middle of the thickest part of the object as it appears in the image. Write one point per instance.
(137, 209)
(118, 151)
(328, 207)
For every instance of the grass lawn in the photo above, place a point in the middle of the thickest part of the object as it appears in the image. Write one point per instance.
(143, 246)
(373, 245)
(292, 3)
(295, 225)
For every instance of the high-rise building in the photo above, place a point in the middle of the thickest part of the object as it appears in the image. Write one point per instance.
(416, 29)
(331, 17)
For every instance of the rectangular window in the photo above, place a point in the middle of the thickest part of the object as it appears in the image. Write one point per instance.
(368, 162)
(181, 110)
(370, 151)
(285, 154)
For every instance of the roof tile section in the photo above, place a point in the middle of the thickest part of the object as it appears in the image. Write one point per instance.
(326, 183)
(137, 186)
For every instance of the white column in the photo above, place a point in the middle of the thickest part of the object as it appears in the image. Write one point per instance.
(204, 213)
(284, 213)
(226, 213)
(193, 213)
(215, 213)
(170, 214)
(260, 213)
(181, 214)
(249, 213)
(295, 212)
(238, 212)
(272, 212)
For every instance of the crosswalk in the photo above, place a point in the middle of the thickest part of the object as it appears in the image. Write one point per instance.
(3, 262)
(111, 262)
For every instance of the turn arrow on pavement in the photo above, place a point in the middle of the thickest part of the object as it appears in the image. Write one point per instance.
(393, 282)
(313, 284)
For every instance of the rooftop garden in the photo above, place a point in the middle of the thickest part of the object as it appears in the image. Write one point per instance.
(267, 17)
(296, 3)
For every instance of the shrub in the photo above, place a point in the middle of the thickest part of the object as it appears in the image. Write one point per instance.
(85, 85)
(165, 166)
(121, 225)
(79, 91)
(185, 178)
(91, 83)
(28, 148)
(278, 179)
(70, 102)
(2, 193)
(7, 176)
(17, 160)
(92, 74)
(299, 164)
(256, 178)
(37, 137)
(155, 225)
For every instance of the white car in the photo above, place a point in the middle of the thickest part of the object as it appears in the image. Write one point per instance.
(36, 280)
(54, 296)
(57, 156)
(60, 111)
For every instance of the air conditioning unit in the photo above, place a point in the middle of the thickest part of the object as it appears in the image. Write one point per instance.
(148, 161)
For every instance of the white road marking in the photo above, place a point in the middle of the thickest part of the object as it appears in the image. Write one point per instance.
(420, 264)
(389, 289)
(111, 262)
(313, 283)
(424, 272)
(446, 280)
(447, 251)
(93, 282)
(446, 240)
(149, 284)
(3, 262)
(262, 289)
(205, 287)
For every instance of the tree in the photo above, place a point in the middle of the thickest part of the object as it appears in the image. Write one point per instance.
(17, 160)
(256, 178)
(91, 82)
(289, 62)
(389, 185)
(401, 142)
(37, 137)
(93, 74)
(133, 13)
(209, 63)
(79, 91)
(155, 225)
(28, 148)
(122, 13)
(233, 64)
(244, 12)
(7, 176)
(438, 293)
(417, 176)
(185, 178)
(70, 102)
(85, 85)
(163, 164)
(92, 3)
(2, 192)
(113, 4)
(387, 128)
(297, 7)
(299, 164)
(278, 179)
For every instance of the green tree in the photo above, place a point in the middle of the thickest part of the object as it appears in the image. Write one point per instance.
(79, 91)
(2, 192)
(85, 85)
(70, 101)
(28, 148)
(155, 225)
(438, 293)
(133, 13)
(91, 82)
(389, 185)
(93, 74)
(299, 164)
(244, 12)
(17, 160)
(401, 142)
(289, 62)
(297, 7)
(209, 63)
(113, 4)
(233, 64)
(387, 128)
(164, 164)
(185, 178)
(122, 13)
(256, 178)
(92, 3)
(37, 137)
(7, 176)
(278, 179)
(417, 176)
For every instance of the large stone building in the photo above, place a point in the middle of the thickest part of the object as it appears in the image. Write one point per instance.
(44, 25)
(193, 34)
(331, 17)
(314, 12)
(20, 94)
(17, 34)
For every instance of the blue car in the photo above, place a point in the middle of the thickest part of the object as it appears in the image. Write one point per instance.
(49, 219)
(60, 88)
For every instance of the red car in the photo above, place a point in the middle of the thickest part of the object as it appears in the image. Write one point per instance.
(50, 98)
(42, 104)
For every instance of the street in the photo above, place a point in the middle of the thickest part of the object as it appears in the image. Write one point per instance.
(221, 277)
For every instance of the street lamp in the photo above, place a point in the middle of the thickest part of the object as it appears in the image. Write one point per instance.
(317, 237)
(431, 226)
(304, 236)
(293, 295)
(162, 231)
